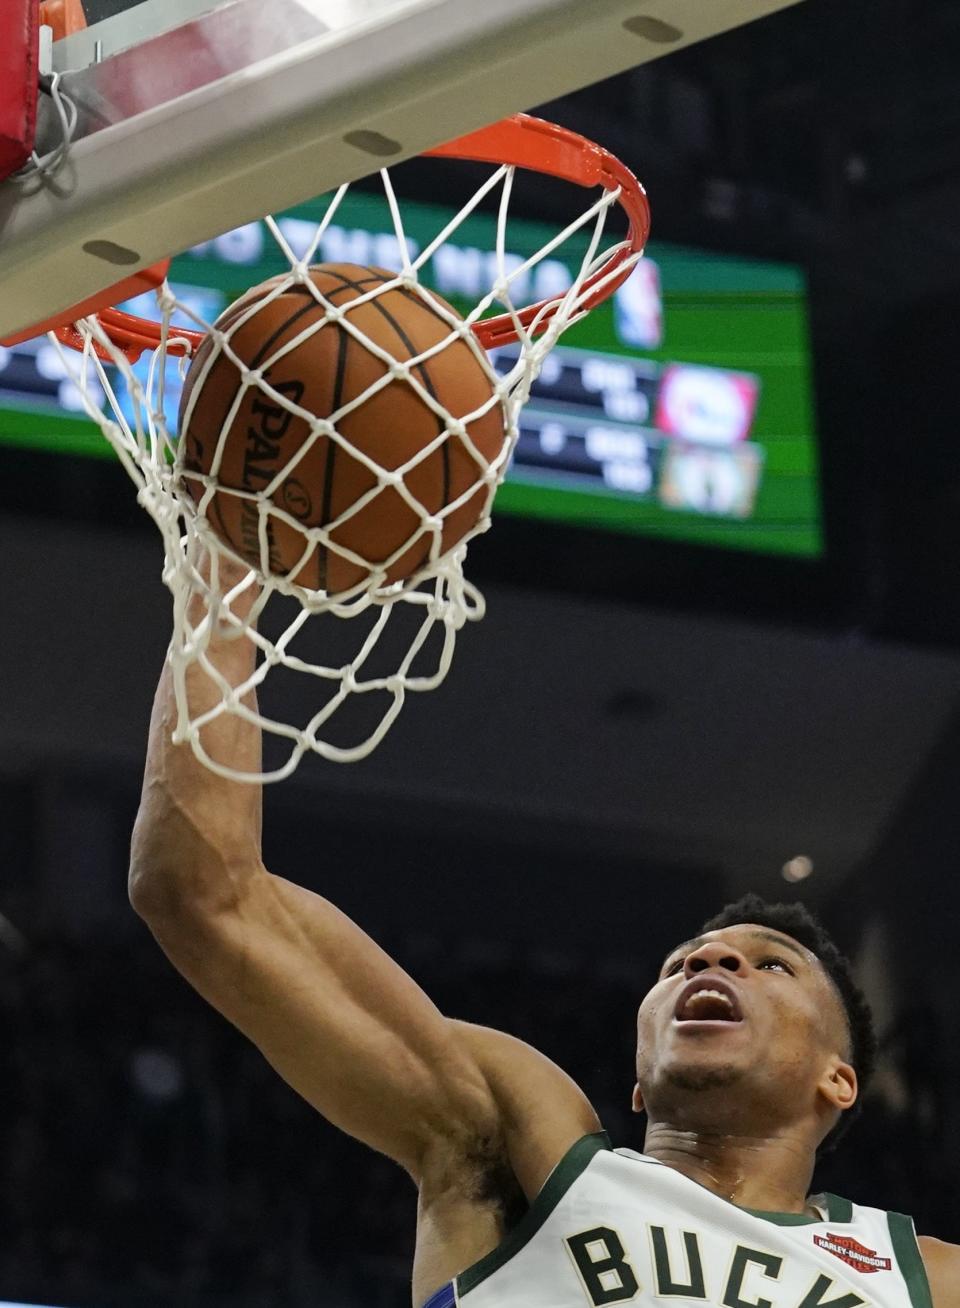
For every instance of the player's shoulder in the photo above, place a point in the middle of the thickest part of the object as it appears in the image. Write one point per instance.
(519, 1071)
(542, 1109)
(942, 1261)
(939, 1252)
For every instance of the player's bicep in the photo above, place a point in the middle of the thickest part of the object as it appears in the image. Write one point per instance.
(342, 1023)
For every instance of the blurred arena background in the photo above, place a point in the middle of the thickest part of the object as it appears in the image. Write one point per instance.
(641, 729)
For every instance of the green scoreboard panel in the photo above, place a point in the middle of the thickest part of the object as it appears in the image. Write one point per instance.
(682, 409)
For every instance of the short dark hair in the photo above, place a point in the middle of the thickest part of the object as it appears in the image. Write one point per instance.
(796, 921)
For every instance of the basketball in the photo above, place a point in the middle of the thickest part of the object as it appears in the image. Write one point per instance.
(323, 373)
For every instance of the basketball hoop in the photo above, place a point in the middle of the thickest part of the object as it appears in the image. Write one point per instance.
(434, 598)
(521, 141)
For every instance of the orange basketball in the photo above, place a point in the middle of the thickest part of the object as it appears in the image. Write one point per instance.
(322, 374)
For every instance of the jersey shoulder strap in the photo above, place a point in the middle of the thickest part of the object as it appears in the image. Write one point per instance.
(569, 1169)
(572, 1166)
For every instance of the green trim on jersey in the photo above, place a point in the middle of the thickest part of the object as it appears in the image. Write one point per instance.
(782, 1219)
(907, 1253)
(838, 1210)
(573, 1164)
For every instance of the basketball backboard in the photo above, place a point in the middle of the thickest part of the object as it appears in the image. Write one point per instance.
(195, 116)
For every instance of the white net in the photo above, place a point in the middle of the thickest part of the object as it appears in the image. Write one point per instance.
(360, 600)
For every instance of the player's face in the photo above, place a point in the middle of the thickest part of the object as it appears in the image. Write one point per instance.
(744, 1007)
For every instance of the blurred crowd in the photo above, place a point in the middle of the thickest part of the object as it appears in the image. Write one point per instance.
(149, 1156)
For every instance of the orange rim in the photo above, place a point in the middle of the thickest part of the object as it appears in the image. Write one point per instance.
(520, 141)
(545, 147)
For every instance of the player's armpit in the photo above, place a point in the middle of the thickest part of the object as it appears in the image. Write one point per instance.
(942, 1262)
(342, 1023)
(542, 1110)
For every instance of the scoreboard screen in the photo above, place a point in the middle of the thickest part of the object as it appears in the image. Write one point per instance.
(681, 409)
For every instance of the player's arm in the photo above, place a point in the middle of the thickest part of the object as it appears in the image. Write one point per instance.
(542, 1110)
(337, 1018)
(942, 1262)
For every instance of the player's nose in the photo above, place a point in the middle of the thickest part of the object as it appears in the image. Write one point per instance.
(715, 954)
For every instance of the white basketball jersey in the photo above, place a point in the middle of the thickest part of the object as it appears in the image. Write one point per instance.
(616, 1227)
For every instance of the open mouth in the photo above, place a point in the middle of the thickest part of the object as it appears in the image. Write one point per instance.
(708, 1001)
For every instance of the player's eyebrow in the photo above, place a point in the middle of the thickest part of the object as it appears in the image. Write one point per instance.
(784, 941)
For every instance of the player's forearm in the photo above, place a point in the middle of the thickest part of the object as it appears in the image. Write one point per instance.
(197, 835)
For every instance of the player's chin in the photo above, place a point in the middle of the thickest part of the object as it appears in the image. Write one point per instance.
(709, 1045)
(700, 1060)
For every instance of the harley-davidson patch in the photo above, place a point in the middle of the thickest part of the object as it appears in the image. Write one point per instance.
(854, 1253)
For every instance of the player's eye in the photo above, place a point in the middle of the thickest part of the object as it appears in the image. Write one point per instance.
(768, 963)
(674, 968)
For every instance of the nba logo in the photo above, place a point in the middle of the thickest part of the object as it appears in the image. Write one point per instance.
(638, 306)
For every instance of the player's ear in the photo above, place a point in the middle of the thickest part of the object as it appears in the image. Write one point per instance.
(839, 1085)
(638, 1104)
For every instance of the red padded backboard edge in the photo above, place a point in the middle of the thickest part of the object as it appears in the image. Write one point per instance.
(19, 54)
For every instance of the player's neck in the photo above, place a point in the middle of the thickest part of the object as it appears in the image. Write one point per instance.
(766, 1174)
